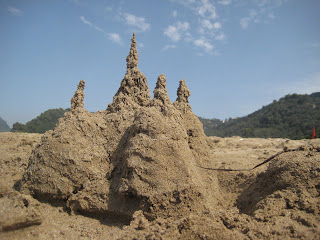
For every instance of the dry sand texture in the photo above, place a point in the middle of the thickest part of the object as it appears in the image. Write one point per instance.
(137, 171)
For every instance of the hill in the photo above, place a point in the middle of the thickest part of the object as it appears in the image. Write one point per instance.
(4, 127)
(292, 116)
(44, 122)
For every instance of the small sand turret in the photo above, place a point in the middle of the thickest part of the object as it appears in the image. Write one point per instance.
(183, 92)
(77, 101)
(160, 92)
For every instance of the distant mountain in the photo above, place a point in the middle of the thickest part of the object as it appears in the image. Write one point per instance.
(4, 127)
(44, 122)
(293, 116)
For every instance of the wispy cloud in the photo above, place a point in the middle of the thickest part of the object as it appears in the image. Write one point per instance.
(87, 22)
(244, 22)
(114, 37)
(170, 46)
(176, 31)
(174, 13)
(139, 23)
(220, 37)
(204, 44)
(263, 11)
(263, 3)
(225, 2)
(253, 17)
(204, 32)
(15, 11)
(206, 9)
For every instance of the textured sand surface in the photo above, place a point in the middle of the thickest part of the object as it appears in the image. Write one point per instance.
(279, 203)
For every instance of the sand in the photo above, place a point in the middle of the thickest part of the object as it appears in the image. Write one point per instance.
(285, 212)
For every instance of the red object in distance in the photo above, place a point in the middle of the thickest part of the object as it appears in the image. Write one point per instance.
(313, 133)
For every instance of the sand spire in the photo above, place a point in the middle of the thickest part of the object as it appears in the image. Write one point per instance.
(160, 92)
(183, 92)
(133, 58)
(77, 101)
(134, 91)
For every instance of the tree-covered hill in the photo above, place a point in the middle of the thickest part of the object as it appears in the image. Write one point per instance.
(4, 127)
(44, 122)
(293, 116)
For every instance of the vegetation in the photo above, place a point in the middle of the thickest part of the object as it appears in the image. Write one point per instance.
(293, 116)
(44, 122)
(4, 127)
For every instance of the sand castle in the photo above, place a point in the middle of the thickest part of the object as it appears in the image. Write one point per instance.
(138, 154)
(136, 164)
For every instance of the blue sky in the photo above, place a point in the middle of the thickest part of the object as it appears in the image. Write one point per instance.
(235, 55)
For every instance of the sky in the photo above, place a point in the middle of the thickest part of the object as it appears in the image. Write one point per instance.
(235, 55)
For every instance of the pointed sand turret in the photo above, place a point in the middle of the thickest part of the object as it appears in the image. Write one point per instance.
(133, 57)
(160, 92)
(134, 91)
(77, 101)
(183, 94)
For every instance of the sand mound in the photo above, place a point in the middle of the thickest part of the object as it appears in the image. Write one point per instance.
(126, 158)
(292, 181)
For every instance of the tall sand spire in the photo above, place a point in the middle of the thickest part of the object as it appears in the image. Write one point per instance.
(134, 91)
(133, 57)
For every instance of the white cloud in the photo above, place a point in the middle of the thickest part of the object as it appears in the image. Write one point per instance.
(206, 9)
(15, 11)
(253, 17)
(271, 15)
(174, 13)
(203, 43)
(220, 37)
(184, 2)
(175, 32)
(263, 12)
(87, 22)
(137, 22)
(244, 22)
(109, 9)
(263, 3)
(217, 25)
(253, 13)
(140, 45)
(166, 47)
(208, 27)
(225, 2)
(115, 38)
(206, 24)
